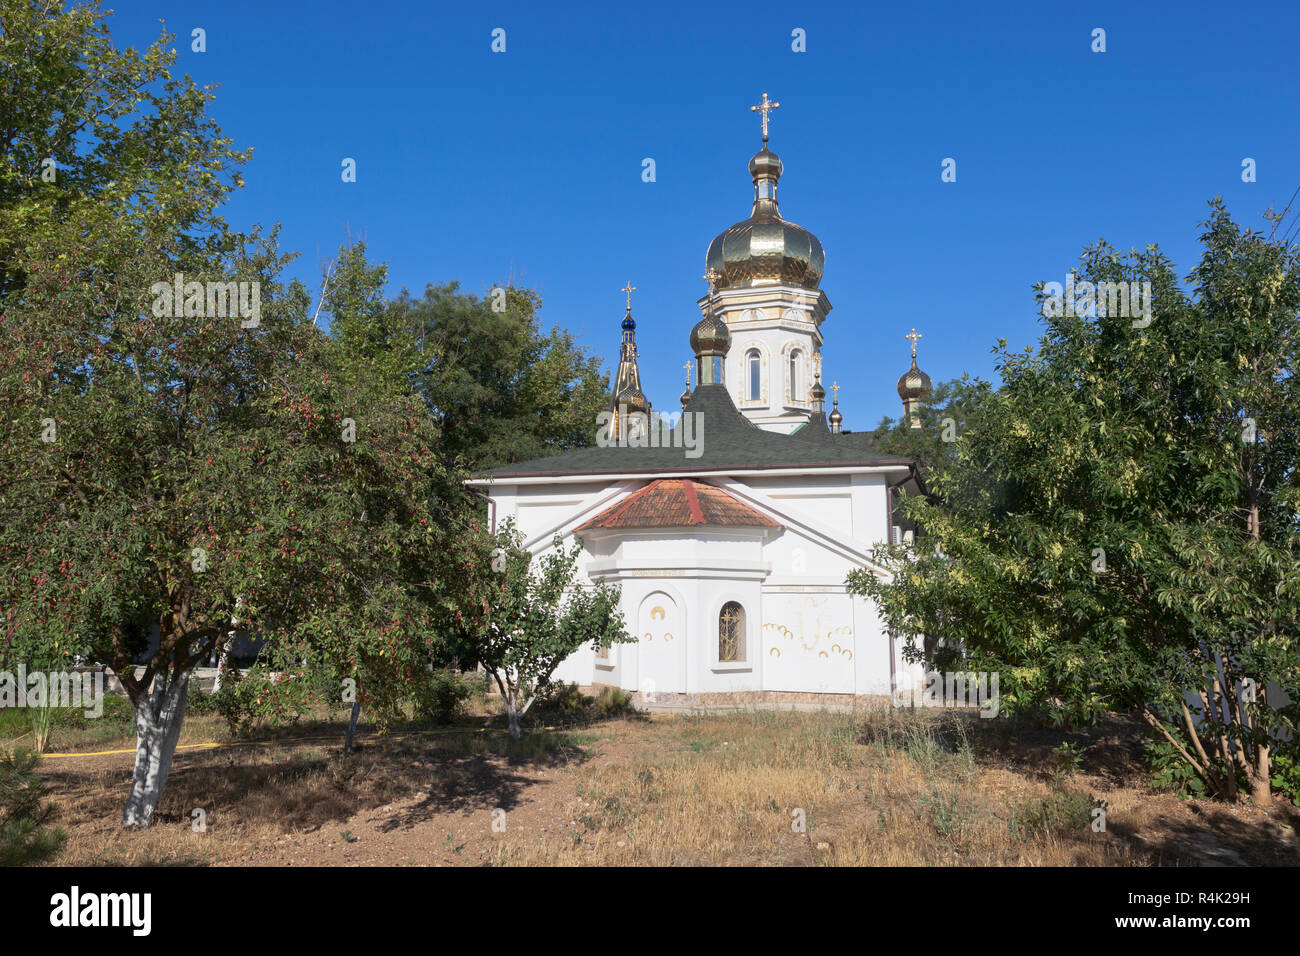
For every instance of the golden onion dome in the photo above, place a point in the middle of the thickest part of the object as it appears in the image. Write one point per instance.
(766, 249)
(836, 417)
(710, 336)
(913, 383)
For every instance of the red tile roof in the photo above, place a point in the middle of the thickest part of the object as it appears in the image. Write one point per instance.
(678, 503)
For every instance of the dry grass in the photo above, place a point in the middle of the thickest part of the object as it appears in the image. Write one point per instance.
(835, 789)
(869, 788)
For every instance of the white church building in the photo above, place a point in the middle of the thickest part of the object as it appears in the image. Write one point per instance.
(732, 534)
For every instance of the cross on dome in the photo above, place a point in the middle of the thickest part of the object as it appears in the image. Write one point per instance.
(913, 335)
(765, 108)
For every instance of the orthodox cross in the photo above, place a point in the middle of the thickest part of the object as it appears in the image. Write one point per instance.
(687, 366)
(711, 277)
(835, 387)
(765, 107)
(629, 289)
(913, 335)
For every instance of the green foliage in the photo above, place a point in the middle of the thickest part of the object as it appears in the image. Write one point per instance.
(237, 701)
(562, 699)
(499, 388)
(952, 407)
(613, 701)
(1169, 771)
(520, 622)
(25, 836)
(1064, 812)
(1069, 758)
(1108, 531)
(198, 703)
(441, 697)
(563, 702)
(1286, 774)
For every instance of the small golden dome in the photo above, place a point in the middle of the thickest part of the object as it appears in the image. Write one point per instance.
(913, 383)
(633, 399)
(710, 336)
(766, 163)
(836, 417)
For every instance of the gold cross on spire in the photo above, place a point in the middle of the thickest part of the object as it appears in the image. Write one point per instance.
(687, 366)
(629, 289)
(711, 277)
(913, 335)
(835, 387)
(765, 107)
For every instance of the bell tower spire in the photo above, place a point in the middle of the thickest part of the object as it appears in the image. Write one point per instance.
(629, 399)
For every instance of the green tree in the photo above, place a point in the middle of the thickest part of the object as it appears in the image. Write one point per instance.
(198, 473)
(945, 414)
(500, 390)
(25, 836)
(1118, 527)
(520, 621)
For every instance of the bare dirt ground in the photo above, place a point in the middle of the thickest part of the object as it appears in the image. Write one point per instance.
(753, 788)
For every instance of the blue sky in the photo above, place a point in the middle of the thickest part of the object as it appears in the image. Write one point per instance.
(478, 166)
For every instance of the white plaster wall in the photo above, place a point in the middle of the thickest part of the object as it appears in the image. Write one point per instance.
(804, 632)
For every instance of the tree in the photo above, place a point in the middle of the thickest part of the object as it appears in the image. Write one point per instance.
(1118, 527)
(171, 462)
(499, 389)
(520, 622)
(948, 410)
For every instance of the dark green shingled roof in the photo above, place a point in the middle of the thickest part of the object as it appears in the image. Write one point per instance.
(729, 441)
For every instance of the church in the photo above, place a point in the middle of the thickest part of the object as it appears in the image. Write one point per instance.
(732, 527)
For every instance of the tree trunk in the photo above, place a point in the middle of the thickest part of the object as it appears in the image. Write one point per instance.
(158, 716)
(221, 664)
(512, 714)
(352, 725)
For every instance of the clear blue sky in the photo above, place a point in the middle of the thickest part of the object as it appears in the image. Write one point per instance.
(477, 166)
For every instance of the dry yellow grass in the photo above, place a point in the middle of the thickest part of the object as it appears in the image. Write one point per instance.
(751, 788)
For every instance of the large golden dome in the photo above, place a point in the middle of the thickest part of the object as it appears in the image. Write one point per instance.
(766, 249)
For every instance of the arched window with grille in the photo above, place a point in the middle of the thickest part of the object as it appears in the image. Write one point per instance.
(754, 370)
(731, 633)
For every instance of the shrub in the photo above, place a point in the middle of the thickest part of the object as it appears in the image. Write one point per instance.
(613, 701)
(1069, 758)
(198, 703)
(1169, 771)
(562, 699)
(232, 702)
(24, 836)
(442, 696)
(1286, 775)
(1066, 812)
(565, 703)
